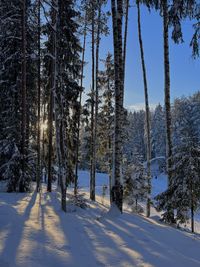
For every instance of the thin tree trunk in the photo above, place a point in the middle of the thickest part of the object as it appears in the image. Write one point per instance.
(58, 97)
(63, 169)
(148, 207)
(125, 39)
(192, 208)
(117, 189)
(92, 172)
(170, 212)
(97, 88)
(23, 110)
(50, 137)
(43, 145)
(79, 111)
(39, 96)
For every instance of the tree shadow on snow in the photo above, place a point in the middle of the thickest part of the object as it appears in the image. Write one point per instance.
(15, 225)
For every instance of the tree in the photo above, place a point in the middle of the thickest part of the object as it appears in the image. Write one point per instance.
(17, 93)
(117, 190)
(106, 118)
(80, 99)
(136, 184)
(184, 192)
(158, 132)
(170, 215)
(67, 90)
(39, 101)
(92, 156)
(147, 117)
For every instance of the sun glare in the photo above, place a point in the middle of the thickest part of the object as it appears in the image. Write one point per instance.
(43, 126)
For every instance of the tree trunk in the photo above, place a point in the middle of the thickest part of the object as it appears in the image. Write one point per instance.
(192, 208)
(117, 189)
(148, 207)
(50, 137)
(170, 211)
(97, 88)
(43, 142)
(59, 108)
(125, 39)
(79, 111)
(39, 93)
(23, 108)
(92, 171)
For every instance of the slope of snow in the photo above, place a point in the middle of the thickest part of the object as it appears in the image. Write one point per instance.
(34, 232)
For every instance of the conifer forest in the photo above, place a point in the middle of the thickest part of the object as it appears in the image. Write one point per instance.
(99, 133)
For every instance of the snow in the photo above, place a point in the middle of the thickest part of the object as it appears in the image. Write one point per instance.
(34, 232)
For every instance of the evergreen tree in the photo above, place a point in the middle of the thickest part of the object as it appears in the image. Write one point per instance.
(136, 184)
(147, 115)
(184, 192)
(17, 93)
(158, 132)
(106, 117)
(67, 90)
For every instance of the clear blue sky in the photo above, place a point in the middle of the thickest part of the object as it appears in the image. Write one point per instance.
(185, 71)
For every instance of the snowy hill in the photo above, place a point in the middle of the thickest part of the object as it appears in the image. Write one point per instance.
(34, 232)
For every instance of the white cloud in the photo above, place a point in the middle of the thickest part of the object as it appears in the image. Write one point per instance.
(140, 106)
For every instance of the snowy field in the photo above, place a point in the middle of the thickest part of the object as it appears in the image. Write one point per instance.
(34, 232)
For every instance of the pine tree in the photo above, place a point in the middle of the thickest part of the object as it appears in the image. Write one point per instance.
(147, 115)
(67, 90)
(184, 192)
(17, 51)
(80, 100)
(106, 118)
(136, 184)
(117, 189)
(158, 132)
(39, 100)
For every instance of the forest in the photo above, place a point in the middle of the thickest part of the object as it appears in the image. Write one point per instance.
(55, 126)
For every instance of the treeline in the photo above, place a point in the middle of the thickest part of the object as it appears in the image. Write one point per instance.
(42, 120)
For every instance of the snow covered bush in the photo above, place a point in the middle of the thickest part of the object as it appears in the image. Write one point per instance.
(135, 185)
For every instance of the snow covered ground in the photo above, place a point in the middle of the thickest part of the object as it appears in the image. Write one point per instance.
(34, 232)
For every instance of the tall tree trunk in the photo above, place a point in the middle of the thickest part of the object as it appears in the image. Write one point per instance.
(59, 101)
(148, 207)
(52, 93)
(23, 109)
(79, 111)
(43, 142)
(125, 38)
(192, 207)
(50, 137)
(170, 212)
(92, 172)
(97, 86)
(117, 189)
(39, 93)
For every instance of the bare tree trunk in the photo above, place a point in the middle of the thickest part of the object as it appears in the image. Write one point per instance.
(192, 207)
(39, 96)
(148, 210)
(58, 97)
(23, 109)
(125, 39)
(170, 211)
(52, 95)
(79, 111)
(117, 189)
(63, 169)
(97, 87)
(50, 137)
(43, 141)
(92, 171)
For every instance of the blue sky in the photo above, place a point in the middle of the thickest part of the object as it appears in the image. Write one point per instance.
(185, 71)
